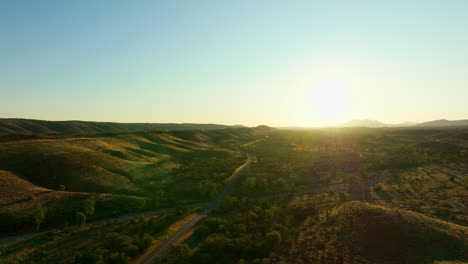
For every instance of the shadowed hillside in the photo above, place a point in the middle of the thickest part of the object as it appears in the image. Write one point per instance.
(357, 232)
(41, 127)
(19, 199)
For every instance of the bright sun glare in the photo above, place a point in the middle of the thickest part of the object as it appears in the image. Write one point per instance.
(331, 98)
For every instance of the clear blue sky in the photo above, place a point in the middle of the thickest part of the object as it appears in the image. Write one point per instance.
(249, 62)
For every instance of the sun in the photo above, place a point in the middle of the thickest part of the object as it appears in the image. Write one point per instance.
(331, 99)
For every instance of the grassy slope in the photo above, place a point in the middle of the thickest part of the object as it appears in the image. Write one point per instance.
(357, 232)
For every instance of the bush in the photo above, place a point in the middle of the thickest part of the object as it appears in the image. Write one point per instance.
(80, 218)
(131, 250)
(119, 258)
(145, 242)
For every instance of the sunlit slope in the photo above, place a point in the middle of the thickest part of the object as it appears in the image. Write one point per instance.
(357, 232)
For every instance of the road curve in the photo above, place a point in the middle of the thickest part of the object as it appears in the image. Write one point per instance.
(149, 257)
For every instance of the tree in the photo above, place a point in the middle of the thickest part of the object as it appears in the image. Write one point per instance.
(39, 216)
(157, 198)
(119, 258)
(273, 239)
(144, 242)
(249, 185)
(80, 218)
(62, 187)
(88, 257)
(88, 207)
(131, 250)
(208, 189)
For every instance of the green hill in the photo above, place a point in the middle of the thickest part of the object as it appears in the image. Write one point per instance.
(357, 232)
(41, 127)
(116, 163)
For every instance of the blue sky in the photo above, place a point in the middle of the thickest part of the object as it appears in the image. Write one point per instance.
(280, 63)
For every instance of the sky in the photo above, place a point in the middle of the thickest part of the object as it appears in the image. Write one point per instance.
(250, 62)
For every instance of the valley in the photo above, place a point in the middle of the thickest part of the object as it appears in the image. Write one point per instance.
(177, 197)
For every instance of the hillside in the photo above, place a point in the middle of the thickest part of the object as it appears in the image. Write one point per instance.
(115, 163)
(116, 170)
(444, 122)
(41, 127)
(357, 232)
(19, 197)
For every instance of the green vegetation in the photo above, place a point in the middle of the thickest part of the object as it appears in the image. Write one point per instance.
(122, 173)
(39, 216)
(80, 218)
(303, 159)
(112, 243)
(243, 231)
(310, 196)
(310, 175)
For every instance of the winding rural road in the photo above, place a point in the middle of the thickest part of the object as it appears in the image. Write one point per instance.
(149, 256)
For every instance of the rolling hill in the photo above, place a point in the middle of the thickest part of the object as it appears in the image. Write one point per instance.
(118, 171)
(357, 232)
(41, 127)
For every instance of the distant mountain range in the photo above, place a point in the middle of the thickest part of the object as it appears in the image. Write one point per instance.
(445, 122)
(375, 123)
(41, 127)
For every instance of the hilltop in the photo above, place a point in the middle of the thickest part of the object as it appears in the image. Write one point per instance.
(42, 127)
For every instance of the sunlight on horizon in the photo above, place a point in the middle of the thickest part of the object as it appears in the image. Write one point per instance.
(330, 99)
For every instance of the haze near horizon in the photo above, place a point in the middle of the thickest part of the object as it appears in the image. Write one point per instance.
(279, 63)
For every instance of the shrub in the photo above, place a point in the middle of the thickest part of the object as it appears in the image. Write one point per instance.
(80, 218)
